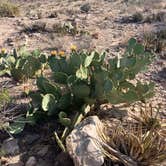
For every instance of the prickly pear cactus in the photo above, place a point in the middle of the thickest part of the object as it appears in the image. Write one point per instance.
(21, 65)
(64, 120)
(92, 78)
(49, 103)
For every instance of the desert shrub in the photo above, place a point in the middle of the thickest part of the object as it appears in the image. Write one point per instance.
(8, 9)
(21, 65)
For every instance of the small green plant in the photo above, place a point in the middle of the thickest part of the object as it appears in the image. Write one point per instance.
(4, 98)
(21, 65)
(8, 9)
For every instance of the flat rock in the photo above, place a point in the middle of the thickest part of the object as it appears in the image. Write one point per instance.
(43, 151)
(31, 138)
(63, 159)
(81, 143)
(15, 161)
(31, 161)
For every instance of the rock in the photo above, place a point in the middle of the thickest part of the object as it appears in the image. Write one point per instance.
(44, 162)
(15, 161)
(31, 161)
(10, 146)
(81, 143)
(31, 138)
(63, 159)
(43, 151)
(85, 8)
(162, 73)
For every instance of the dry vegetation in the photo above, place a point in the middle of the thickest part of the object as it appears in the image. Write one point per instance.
(8, 9)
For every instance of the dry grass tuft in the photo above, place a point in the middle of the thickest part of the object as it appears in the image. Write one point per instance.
(136, 144)
(155, 41)
(8, 9)
(148, 117)
(134, 148)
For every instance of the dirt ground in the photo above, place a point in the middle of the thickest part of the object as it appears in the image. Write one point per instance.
(102, 25)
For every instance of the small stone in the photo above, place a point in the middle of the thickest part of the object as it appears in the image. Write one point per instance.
(31, 138)
(31, 161)
(85, 8)
(44, 162)
(63, 159)
(43, 151)
(162, 73)
(10, 146)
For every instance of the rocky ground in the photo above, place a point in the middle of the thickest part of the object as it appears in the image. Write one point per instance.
(101, 25)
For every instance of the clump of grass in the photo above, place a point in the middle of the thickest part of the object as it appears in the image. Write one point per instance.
(36, 27)
(8, 9)
(148, 117)
(134, 148)
(135, 144)
(158, 17)
(135, 18)
(155, 41)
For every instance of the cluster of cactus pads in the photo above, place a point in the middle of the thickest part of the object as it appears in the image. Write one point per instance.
(21, 65)
(85, 78)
